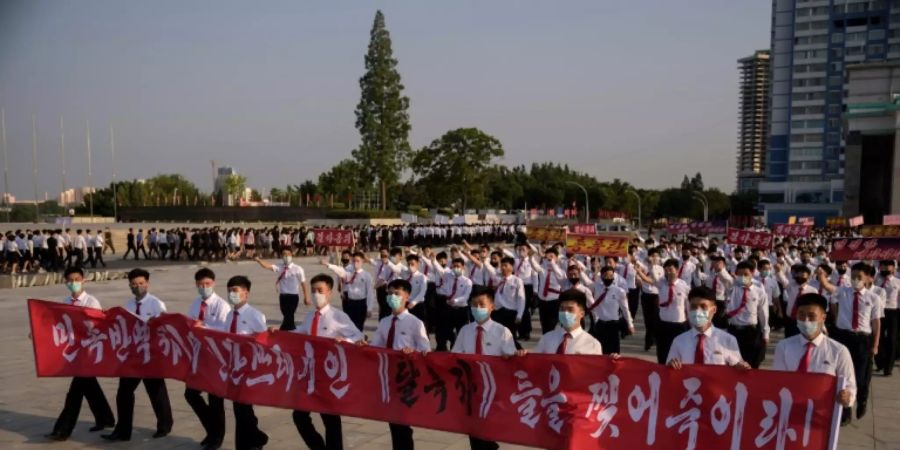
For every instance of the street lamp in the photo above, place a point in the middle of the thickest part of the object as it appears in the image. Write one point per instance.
(587, 207)
(638, 197)
(702, 199)
(175, 197)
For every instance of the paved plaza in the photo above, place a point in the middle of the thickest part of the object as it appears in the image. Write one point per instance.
(29, 406)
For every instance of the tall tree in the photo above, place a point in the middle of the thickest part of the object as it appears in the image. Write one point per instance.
(381, 115)
(452, 167)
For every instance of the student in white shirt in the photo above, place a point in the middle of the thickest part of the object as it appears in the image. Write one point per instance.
(361, 301)
(673, 306)
(509, 298)
(327, 322)
(704, 343)
(811, 351)
(799, 284)
(404, 332)
(208, 311)
(569, 338)
(245, 320)
(452, 306)
(145, 306)
(81, 387)
(289, 283)
(650, 295)
(607, 303)
(747, 310)
(484, 337)
(887, 280)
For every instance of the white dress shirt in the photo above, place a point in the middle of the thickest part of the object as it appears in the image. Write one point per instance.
(496, 340)
(828, 356)
(891, 285)
(755, 310)
(216, 314)
(720, 282)
(333, 323)
(150, 307)
(605, 304)
(792, 291)
(358, 285)
(249, 320)
(456, 289)
(655, 272)
(581, 342)
(289, 280)
(626, 271)
(868, 309)
(771, 288)
(409, 332)
(548, 274)
(720, 348)
(676, 311)
(686, 271)
(84, 300)
(510, 294)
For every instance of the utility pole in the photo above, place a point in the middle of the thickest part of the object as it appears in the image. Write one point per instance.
(112, 150)
(90, 170)
(37, 209)
(62, 155)
(5, 163)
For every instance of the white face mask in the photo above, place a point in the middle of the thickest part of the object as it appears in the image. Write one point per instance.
(808, 328)
(287, 259)
(320, 299)
(859, 284)
(234, 298)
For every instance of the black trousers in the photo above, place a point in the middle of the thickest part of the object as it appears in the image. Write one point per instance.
(548, 310)
(507, 318)
(288, 304)
(634, 300)
(334, 438)
(246, 428)
(790, 327)
(720, 320)
(607, 333)
(159, 400)
(211, 414)
(750, 342)
(128, 250)
(357, 310)
(431, 308)
(98, 257)
(860, 346)
(90, 257)
(666, 332)
(401, 437)
(450, 321)
(650, 310)
(524, 328)
(887, 345)
(383, 309)
(83, 388)
(478, 444)
(419, 311)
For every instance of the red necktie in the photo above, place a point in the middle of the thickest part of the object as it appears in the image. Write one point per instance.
(547, 274)
(855, 310)
(794, 307)
(137, 308)
(202, 310)
(625, 273)
(681, 270)
(73, 300)
(453, 291)
(479, 340)
(283, 274)
(670, 296)
(599, 299)
(390, 338)
(561, 350)
(699, 355)
(352, 279)
(234, 319)
(803, 366)
(472, 272)
(884, 283)
(715, 283)
(742, 305)
(314, 329)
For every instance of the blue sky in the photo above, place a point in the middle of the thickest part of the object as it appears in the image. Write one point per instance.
(645, 91)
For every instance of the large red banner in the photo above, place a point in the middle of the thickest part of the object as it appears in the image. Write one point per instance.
(334, 237)
(597, 244)
(794, 230)
(708, 227)
(548, 401)
(865, 248)
(583, 228)
(748, 238)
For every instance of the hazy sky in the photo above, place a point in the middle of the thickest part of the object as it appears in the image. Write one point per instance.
(641, 90)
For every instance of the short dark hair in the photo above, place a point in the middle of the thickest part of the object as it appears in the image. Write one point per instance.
(240, 281)
(812, 299)
(412, 257)
(671, 262)
(605, 269)
(73, 269)
(860, 266)
(205, 272)
(322, 278)
(507, 260)
(826, 268)
(478, 291)
(574, 295)
(458, 260)
(552, 250)
(138, 273)
(702, 292)
(800, 268)
(744, 265)
(401, 284)
(888, 262)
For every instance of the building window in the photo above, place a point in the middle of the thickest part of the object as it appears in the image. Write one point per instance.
(837, 38)
(837, 52)
(876, 34)
(834, 137)
(834, 123)
(874, 49)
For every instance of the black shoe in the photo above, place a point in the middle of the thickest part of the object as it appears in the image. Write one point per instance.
(114, 436)
(204, 442)
(845, 418)
(861, 410)
(56, 436)
(160, 434)
(100, 427)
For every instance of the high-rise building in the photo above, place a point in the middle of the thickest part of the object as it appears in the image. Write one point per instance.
(754, 120)
(812, 41)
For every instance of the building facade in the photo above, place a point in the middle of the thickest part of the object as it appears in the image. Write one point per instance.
(753, 117)
(812, 41)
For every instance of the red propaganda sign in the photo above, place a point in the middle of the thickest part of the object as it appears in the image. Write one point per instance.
(334, 237)
(748, 238)
(793, 230)
(880, 230)
(548, 401)
(708, 227)
(583, 228)
(865, 248)
(597, 244)
(678, 228)
(891, 219)
(856, 221)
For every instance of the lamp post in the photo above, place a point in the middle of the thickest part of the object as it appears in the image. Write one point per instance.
(587, 207)
(175, 197)
(702, 199)
(638, 197)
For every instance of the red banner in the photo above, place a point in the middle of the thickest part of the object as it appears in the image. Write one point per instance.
(708, 227)
(546, 234)
(880, 230)
(597, 244)
(748, 238)
(891, 219)
(856, 221)
(548, 401)
(583, 228)
(794, 230)
(865, 248)
(334, 237)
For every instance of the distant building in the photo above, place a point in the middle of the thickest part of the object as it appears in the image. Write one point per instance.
(221, 188)
(753, 125)
(74, 196)
(8, 199)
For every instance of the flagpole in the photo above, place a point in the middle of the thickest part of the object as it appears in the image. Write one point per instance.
(90, 169)
(112, 150)
(62, 157)
(5, 163)
(37, 212)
